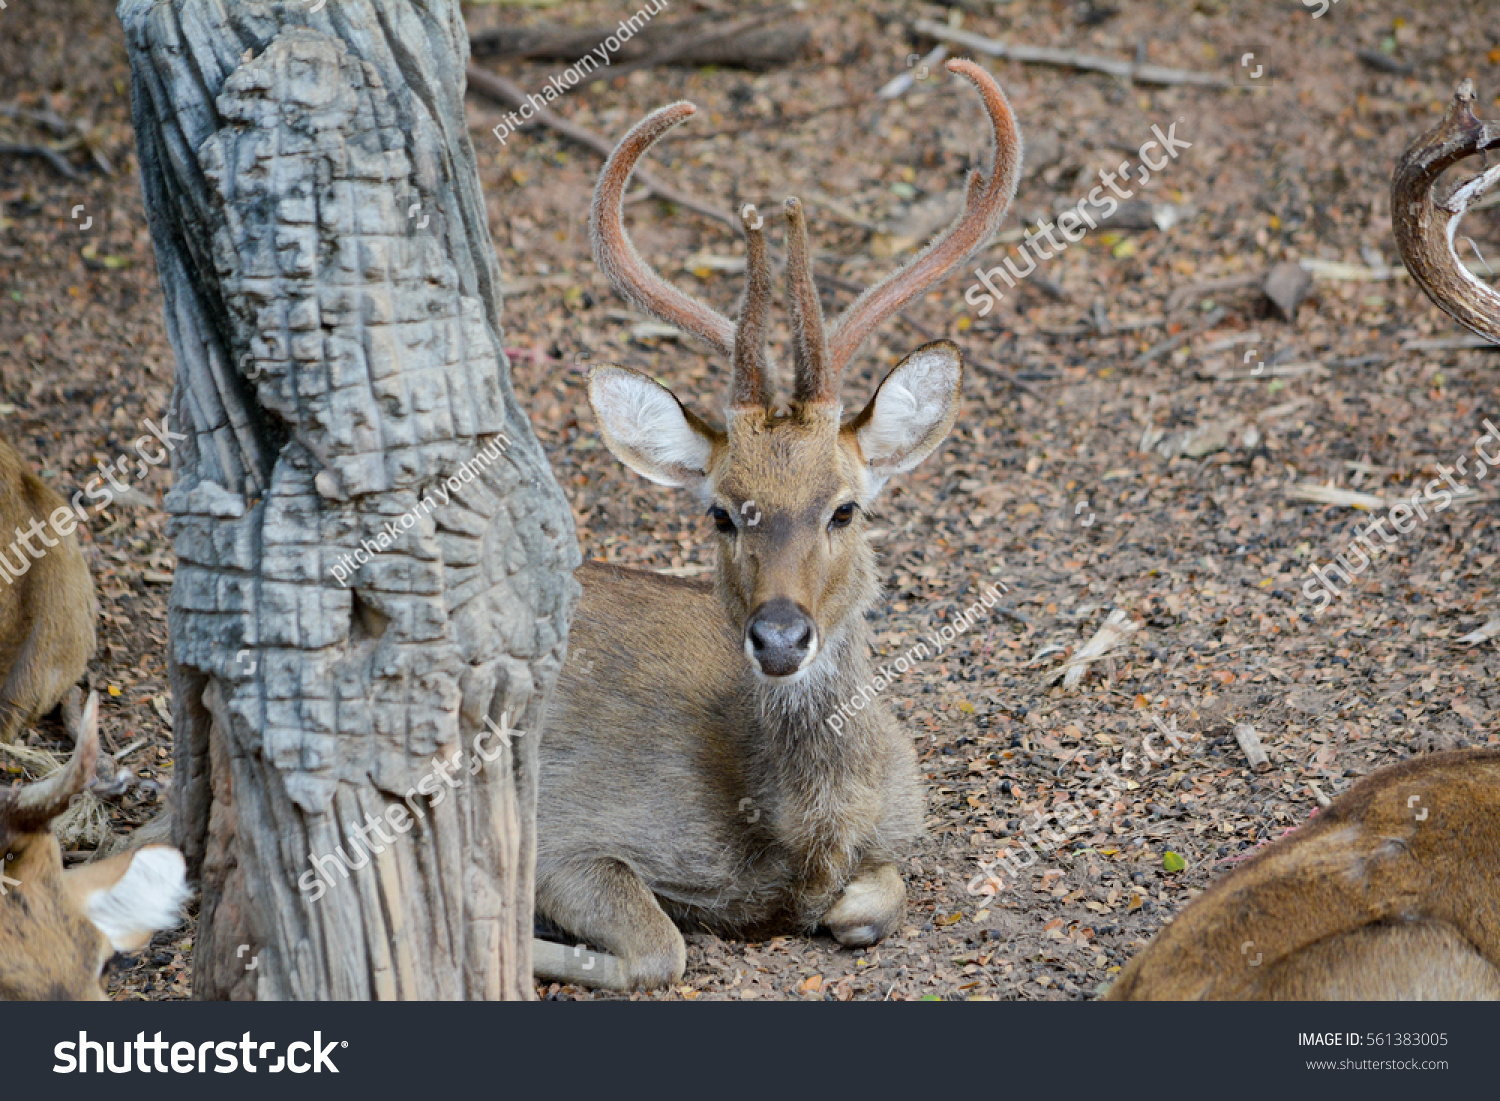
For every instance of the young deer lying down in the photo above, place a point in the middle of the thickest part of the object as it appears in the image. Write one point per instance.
(687, 772)
(59, 928)
(46, 598)
(1391, 893)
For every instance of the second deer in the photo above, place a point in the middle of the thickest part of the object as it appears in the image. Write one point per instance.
(46, 597)
(687, 774)
(59, 928)
(1392, 893)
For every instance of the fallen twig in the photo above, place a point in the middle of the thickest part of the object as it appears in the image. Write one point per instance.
(506, 91)
(698, 47)
(1448, 343)
(1183, 295)
(898, 85)
(1249, 741)
(1172, 343)
(1070, 59)
(1483, 634)
(56, 160)
(1332, 495)
(741, 44)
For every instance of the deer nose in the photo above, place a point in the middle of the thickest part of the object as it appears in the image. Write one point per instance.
(780, 635)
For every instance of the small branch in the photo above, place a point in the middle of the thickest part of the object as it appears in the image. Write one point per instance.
(711, 38)
(1172, 343)
(58, 162)
(1069, 59)
(691, 47)
(1183, 295)
(1255, 753)
(56, 125)
(506, 91)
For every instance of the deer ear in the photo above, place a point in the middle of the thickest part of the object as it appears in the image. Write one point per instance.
(647, 428)
(131, 896)
(911, 412)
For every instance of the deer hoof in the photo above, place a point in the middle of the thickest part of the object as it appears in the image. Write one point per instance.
(869, 909)
(657, 969)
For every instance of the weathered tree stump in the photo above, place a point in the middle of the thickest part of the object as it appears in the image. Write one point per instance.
(374, 560)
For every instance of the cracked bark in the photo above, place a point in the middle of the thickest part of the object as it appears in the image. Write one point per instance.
(374, 560)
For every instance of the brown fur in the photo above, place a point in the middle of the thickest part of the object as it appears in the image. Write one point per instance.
(675, 784)
(46, 613)
(50, 950)
(688, 772)
(1368, 901)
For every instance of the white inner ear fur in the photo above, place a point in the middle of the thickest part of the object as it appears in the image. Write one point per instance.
(148, 897)
(643, 424)
(914, 408)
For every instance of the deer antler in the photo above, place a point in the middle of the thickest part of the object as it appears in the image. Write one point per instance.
(814, 381)
(748, 381)
(1425, 229)
(819, 360)
(753, 372)
(30, 808)
(984, 206)
(615, 253)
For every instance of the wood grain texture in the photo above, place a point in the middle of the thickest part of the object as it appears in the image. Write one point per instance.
(374, 559)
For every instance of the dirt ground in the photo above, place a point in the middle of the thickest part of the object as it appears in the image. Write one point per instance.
(1143, 458)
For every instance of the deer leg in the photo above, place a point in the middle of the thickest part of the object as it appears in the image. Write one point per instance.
(605, 903)
(871, 906)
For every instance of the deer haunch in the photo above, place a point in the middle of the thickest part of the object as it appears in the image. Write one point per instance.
(1391, 893)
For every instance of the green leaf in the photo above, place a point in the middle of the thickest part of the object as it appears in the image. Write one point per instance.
(1172, 862)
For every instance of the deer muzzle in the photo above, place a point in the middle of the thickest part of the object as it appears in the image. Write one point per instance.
(781, 638)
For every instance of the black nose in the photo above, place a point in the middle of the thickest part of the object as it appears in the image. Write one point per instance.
(781, 634)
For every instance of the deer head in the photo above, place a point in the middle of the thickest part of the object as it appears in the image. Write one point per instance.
(788, 487)
(1426, 229)
(59, 928)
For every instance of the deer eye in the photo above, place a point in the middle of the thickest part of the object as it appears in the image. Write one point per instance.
(722, 520)
(842, 515)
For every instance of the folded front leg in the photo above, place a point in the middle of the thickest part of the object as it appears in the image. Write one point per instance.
(607, 904)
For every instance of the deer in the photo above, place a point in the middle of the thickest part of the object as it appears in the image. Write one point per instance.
(687, 774)
(1390, 893)
(47, 606)
(59, 929)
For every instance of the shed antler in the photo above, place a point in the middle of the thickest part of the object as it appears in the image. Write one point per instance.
(1426, 229)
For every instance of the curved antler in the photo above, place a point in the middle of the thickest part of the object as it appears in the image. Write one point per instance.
(28, 809)
(984, 206)
(747, 382)
(616, 255)
(1425, 229)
